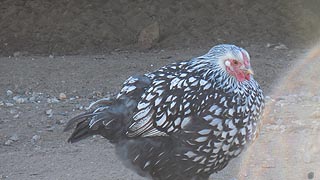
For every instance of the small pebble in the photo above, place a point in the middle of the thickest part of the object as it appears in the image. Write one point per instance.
(1, 103)
(50, 128)
(8, 142)
(3, 176)
(310, 175)
(32, 99)
(9, 93)
(9, 104)
(13, 111)
(96, 94)
(269, 45)
(60, 122)
(16, 54)
(280, 47)
(35, 139)
(14, 137)
(63, 113)
(62, 96)
(49, 112)
(29, 124)
(79, 106)
(19, 100)
(52, 100)
(316, 114)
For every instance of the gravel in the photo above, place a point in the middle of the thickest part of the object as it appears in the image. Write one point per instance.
(35, 139)
(14, 137)
(52, 100)
(62, 96)
(20, 100)
(9, 104)
(9, 93)
(310, 175)
(8, 142)
(49, 113)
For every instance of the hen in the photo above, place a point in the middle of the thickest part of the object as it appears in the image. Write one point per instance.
(185, 120)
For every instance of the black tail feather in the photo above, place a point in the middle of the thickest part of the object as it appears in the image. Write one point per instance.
(82, 131)
(109, 117)
(108, 121)
(72, 122)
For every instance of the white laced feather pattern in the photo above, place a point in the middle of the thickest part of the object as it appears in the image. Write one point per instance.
(181, 91)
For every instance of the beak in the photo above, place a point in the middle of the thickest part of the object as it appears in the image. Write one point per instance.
(247, 70)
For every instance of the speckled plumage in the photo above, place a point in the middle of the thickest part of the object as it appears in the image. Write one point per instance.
(183, 121)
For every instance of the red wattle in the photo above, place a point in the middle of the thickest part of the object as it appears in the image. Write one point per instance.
(248, 77)
(240, 76)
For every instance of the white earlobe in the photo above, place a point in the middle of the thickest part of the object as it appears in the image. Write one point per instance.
(227, 63)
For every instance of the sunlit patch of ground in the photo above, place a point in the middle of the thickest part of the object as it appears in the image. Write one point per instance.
(289, 142)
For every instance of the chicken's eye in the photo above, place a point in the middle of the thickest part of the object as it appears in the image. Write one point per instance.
(235, 62)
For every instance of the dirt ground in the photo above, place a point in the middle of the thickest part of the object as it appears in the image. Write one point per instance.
(33, 145)
(57, 57)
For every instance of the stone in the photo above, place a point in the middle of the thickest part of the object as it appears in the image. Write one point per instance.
(60, 122)
(14, 137)
(9, 104)
(8, 142)
(79, 106)
(50, 128)
(315, 114)
(16, 54)
(19, 99)
(277, 46)
(35, 138)
(49, 112)
(32, 99)
(280, 46)
(9, 92)
(149, 36)
(52, 100)
(62, 96)
(13, 111)
(310, 175)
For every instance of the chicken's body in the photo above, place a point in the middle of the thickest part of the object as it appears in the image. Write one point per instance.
(183, 121)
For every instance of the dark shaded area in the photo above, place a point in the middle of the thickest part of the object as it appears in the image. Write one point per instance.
(97, 26)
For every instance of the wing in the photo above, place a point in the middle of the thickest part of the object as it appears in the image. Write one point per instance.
(175, 95)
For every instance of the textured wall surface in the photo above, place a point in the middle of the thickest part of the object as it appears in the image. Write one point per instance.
(95, 26)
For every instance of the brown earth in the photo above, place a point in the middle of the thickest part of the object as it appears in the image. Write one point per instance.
(102, 38)
(34, 147)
